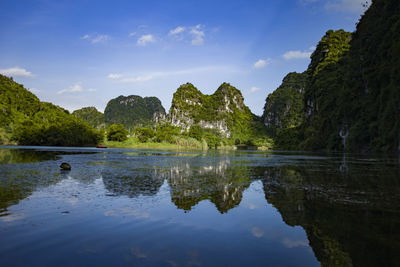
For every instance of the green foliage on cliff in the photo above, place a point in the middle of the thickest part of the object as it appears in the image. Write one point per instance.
(359, 96)
(284, 107)
(91, 116)
(352, 95)
(224, 111)
(132, 111)
(27, 121)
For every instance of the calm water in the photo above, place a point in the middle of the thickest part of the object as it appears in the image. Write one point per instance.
(170, 208)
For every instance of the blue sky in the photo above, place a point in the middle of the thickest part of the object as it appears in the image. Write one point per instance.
(83, 53)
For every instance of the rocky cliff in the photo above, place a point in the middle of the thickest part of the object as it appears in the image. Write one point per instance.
(351, 98)
(223, 111)
(284, 107)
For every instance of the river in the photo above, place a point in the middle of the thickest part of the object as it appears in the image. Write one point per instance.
(124, 207)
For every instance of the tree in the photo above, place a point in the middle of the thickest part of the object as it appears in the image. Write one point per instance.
(144, 134)
(117, 132)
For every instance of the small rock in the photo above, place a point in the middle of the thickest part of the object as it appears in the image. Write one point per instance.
(65, 166)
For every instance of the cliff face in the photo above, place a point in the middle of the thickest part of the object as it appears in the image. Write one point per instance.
(283, 108)
(354, 104)
(352, 93)
(223, 111)
(134, 110)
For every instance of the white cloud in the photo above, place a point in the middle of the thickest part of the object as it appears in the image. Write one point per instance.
(177, 30)
(74, 89)
(254, 89)
(136, 79)
(197, 35)
(132, 34)
(257, 232)
(34, 90)
(100, 38)
(16, 72)
(261, 63)
(294, 243)
(114, 76)
(145, 39)
(352, 6)
(297, 54)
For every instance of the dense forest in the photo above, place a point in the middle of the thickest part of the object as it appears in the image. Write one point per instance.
(133, 110)
(26, 120)
(352, 95)
(91, 116)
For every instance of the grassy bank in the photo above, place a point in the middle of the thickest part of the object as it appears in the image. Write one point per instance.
(177, 143)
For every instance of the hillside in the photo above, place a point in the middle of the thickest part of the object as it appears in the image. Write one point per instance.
(358, 98)
(134, 111)
(283, 108)
(351, 100)
(91, 116)
(26, 120)
(223, 112)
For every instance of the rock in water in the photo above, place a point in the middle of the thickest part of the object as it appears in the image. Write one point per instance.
(65, 166)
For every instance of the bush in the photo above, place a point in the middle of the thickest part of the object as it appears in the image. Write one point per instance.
(166, 132)
(144, 134)
(117, 132)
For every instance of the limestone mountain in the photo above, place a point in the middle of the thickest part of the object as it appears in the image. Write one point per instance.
(91, 116)
(354, 103)
(292, 106)
(134, 111)
(224, 111)
(351, 99)
(284, 107)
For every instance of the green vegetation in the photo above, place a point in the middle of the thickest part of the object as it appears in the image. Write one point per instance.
(117, 132)
(283, 108)
(27, 121)
(351, 98)
(132, 111)
(220, 119)
(91, 116)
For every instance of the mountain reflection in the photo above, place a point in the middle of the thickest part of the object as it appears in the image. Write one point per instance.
(218, 182)
(345, 217)
(133, 183)
(189, 182)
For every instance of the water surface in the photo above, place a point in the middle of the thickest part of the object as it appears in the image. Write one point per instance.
(182, 208)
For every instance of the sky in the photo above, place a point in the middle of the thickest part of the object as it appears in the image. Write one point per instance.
(84, 53)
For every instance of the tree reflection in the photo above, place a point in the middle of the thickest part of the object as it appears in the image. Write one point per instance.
(133, 183)
(345, 217)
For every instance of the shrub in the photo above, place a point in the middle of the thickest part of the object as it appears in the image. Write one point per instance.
(117, 132)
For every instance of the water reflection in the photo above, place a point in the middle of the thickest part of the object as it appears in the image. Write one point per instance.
(350, 221)
(132, 183)
(189, 181)
(218, 182)
(348, 207)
